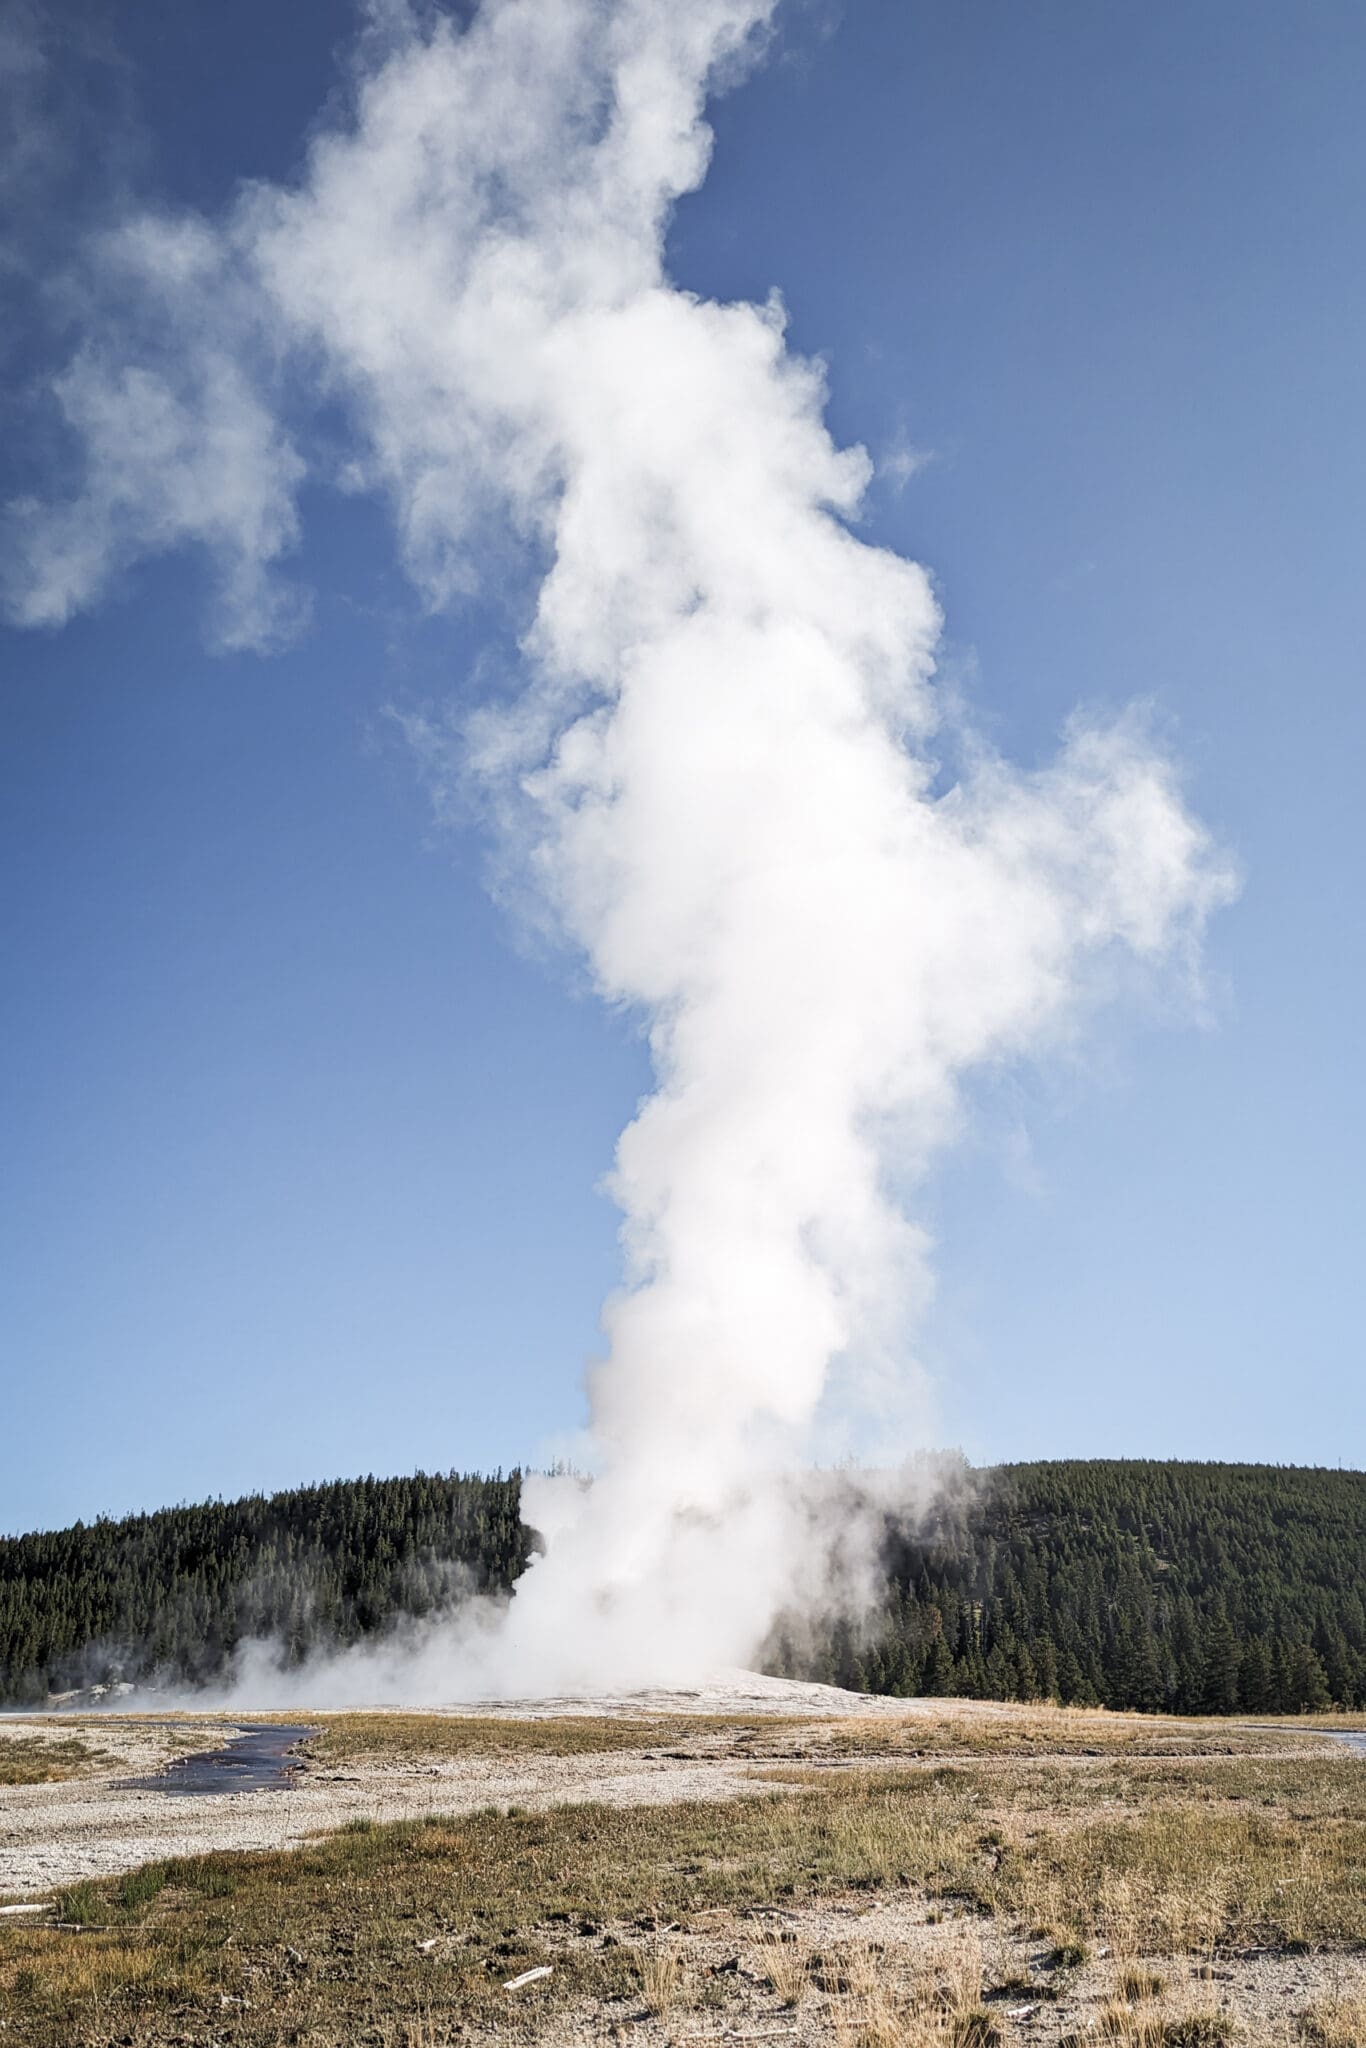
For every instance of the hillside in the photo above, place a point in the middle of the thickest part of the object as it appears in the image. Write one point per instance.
(1189, 1587)
(170, 1595)
(1192, 1588)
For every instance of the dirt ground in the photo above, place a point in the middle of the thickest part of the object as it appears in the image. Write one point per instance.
(857, 1971)
(884, 1950)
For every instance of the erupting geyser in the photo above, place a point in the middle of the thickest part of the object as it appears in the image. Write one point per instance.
(722, 772)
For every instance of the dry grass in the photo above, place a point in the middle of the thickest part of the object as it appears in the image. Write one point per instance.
(1152, 1858)
(1335, 1719)
(786, 1961)
(46, 1759)
(968, 1729)
(956, 1730)
(390, 1737)
(1134, 1984)
(1120, 2026)
(1338, 2021)
(661, 1981)
(1273, 1855)
(941, 2008)
(325, 1944)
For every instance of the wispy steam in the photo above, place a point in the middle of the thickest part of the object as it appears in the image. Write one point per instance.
(723, 773)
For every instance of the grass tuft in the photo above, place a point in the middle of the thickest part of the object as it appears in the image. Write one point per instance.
(84, 1905)
(787, 1965)
(1135, 1984)
(661, 1981)
(1338, 2022)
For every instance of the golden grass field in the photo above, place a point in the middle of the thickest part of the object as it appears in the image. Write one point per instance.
(963, 1877)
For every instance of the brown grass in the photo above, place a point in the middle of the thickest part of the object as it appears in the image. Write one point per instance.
(1121, 2026)
(787, 1965)
(955, 1730)
(1135, 1984)
(1334, 1719)
(46, 1759)
(662, 1983)
(941, 2008)
(321, 1945)
(966, 1729)
(387, 1738)
(1338, 2022)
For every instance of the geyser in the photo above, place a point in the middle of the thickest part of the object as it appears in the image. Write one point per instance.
(723, 772)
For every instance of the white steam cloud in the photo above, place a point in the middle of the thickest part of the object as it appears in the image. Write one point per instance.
(723, 772)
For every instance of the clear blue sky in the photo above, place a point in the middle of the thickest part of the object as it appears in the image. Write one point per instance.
(300, 1146)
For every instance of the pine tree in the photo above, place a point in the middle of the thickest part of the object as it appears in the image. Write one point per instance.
(1310, 1683)
(938, 1670)
(1219, 1687)
(1255, 1678)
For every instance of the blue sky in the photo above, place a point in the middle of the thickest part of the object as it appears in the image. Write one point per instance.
(303, 1138)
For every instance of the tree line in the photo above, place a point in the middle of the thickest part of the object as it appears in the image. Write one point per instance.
(1179, 1587)
(167, 1598)
(1174, 1587)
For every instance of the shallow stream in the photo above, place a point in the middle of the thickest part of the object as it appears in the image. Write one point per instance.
(259, 1758)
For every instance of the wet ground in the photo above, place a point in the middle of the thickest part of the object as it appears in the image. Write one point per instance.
(256, 1759)
(1350, 1738)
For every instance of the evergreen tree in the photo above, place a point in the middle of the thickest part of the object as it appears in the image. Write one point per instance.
(1255, 1678)
(1219, 1687)
(1310, 1682)
(938, 1673)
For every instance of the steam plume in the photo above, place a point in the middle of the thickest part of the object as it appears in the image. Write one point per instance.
(723, 774)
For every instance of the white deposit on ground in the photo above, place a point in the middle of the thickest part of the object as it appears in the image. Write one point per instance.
(53, 1835)
(93, 1826)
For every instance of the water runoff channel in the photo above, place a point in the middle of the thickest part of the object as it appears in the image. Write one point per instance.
(260, 1757)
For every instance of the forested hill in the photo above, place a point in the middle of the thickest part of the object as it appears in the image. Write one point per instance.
(1190, 1587)
(169, 1596)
